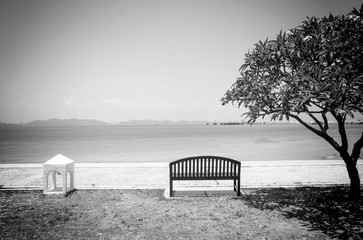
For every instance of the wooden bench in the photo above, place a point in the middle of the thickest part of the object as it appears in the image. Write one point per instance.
(206, 168)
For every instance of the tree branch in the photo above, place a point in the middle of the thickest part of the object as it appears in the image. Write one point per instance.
(305, 124)
(322, 134)
(316, 120)
(343, 135)
(356, 149)
(326, 124)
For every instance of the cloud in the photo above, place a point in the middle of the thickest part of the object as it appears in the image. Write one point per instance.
(70, 101)
(110, 101)
(143, 104)
(197, 104)
(169, 106)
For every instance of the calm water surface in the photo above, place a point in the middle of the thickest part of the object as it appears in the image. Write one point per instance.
(25, 144)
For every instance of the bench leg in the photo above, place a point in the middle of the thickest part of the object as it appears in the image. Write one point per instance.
(234, 185)
(239, 188)
(171, 188)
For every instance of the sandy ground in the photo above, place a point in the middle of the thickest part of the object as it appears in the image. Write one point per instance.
(156, 175)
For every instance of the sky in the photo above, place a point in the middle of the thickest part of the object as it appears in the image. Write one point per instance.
(135, 59)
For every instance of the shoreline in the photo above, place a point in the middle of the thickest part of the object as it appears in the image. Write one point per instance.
(156, 175)
(257, 163)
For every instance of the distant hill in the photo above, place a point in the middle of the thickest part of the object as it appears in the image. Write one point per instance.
(92, 122)
(66, 122)
(164, 122)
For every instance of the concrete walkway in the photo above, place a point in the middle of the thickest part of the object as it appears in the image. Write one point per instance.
(156, 175)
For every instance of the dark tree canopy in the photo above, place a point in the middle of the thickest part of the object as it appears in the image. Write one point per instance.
(315, 69)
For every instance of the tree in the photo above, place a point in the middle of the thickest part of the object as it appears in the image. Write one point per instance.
(316, 70)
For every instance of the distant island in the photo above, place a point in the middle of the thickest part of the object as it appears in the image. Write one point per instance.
(164, 122)
(93, 122)
(66, 122)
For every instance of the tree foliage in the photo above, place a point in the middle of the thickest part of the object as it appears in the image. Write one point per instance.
(314, 69)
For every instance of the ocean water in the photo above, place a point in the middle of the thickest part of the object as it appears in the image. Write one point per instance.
(105, 144)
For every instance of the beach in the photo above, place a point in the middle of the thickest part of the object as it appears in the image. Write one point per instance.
(254, 174)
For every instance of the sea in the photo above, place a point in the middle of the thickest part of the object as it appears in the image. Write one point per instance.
(165, 143)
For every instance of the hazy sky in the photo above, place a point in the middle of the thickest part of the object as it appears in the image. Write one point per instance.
(136, 59)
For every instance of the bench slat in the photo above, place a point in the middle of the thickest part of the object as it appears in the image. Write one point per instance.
(193, 167)
(205, 178)
(212, 168)
(204, 161)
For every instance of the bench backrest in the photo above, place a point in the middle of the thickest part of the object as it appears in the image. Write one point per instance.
(204, 168)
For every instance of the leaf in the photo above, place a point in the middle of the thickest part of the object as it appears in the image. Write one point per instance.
(287, 117)
(307, 99)
(350, 114)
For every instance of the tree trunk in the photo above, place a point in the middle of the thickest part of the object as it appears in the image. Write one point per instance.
(354, 181)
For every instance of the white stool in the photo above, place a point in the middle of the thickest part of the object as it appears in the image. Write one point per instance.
(62, 165)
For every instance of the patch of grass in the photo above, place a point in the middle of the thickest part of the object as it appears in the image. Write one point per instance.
(144, 214)
(328, 209)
